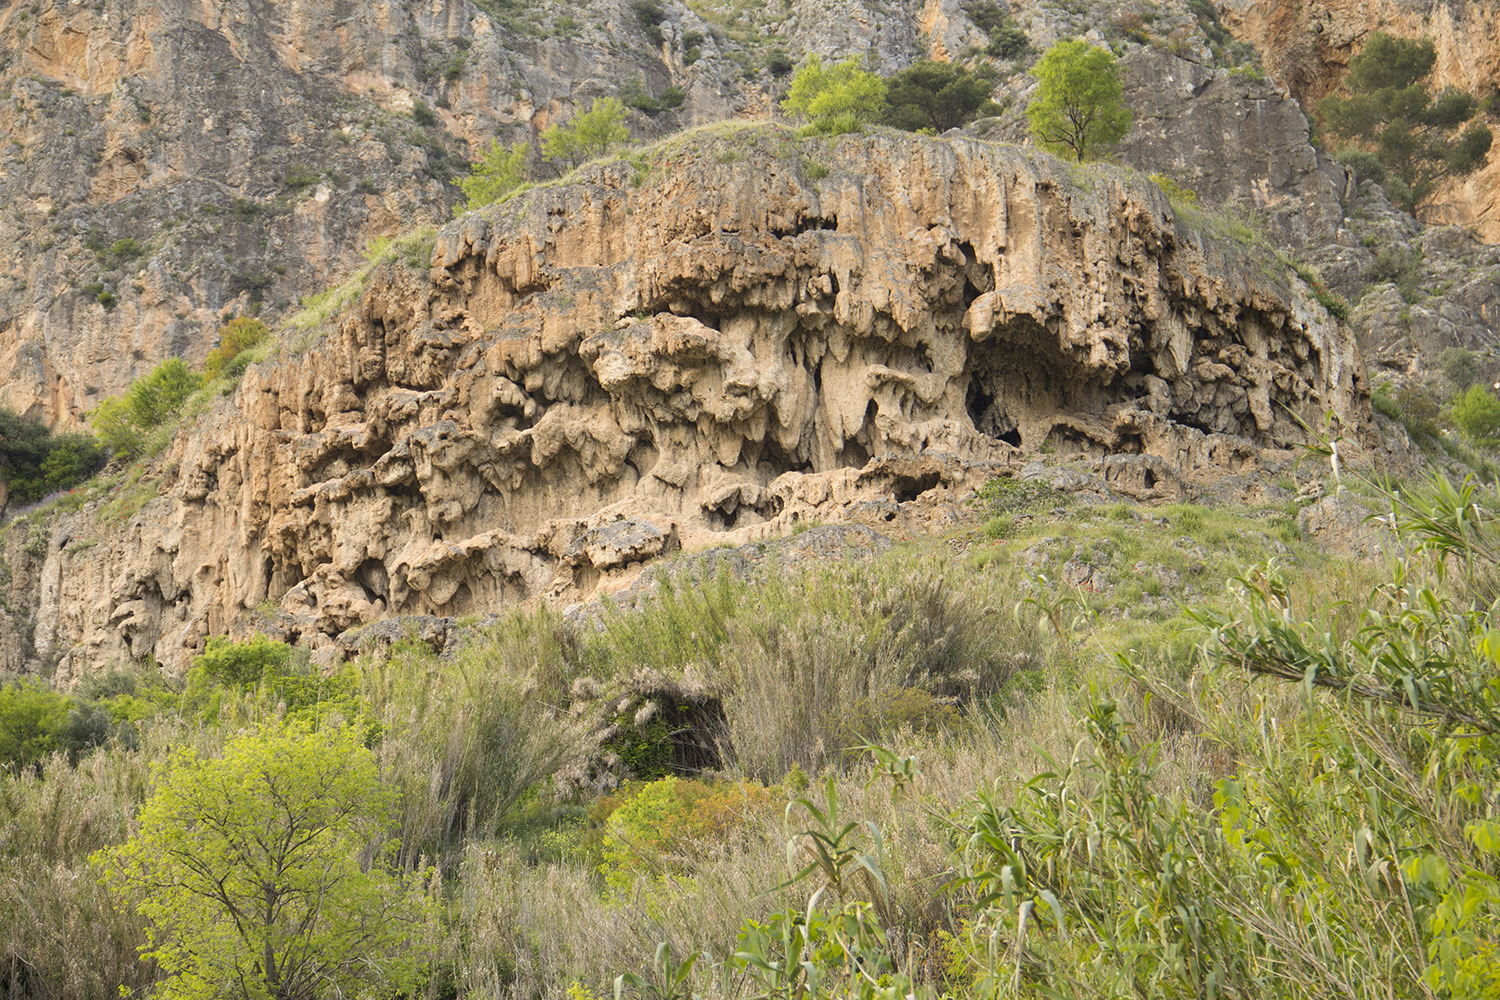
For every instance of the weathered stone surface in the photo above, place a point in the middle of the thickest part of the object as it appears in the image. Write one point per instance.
(712, 353)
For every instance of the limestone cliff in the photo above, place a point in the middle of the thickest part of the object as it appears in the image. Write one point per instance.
(703, 345)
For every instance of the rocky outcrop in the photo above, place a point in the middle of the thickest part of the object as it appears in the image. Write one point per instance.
(706, 345)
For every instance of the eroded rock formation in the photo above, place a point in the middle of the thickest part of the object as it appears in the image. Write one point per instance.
(702, 348)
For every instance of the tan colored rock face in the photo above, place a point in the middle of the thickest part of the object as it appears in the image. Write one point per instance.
(598, 373)
(1308, 47)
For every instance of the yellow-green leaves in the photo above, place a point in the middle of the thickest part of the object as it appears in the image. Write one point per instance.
(496, 175)
(1077, 108)
(253, 869)
(838, 98)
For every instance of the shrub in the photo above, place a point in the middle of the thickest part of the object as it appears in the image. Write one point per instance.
(649, 15)
(674, 816)
(31, 714)
(1460, 367)
(596, 132)
(253, 871)
(1007, 40)
(34, 462)
(495, 175)
(778, 63)
(422, 114)
(235, 337)
(124, 422)
(838, 98)
(1477, 414)
(1077, 107)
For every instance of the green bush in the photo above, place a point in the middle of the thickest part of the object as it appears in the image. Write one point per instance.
(34, 462)
(499, 172)
(124, 423)
(235, 337)
(1477, 414)
(649, 15)
(836, 99)
(1006, 39)
(31, 713)
(674, 817)
(594, 133)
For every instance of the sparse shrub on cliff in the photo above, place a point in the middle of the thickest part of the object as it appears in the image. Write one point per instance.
(495, 175)
(836, 99)
(125, 423)
(1416, 137)
(1077, 109)
(1006, 39)
(588, 135)
(235, 337)
(1477, 414)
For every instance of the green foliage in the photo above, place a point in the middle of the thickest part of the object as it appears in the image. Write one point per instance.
(34, 462)
(1007, 40)
(31, 714)
(249, 868)
(495, 175)
(422, 114)
(1477, 414)
(836, 99)
(670, 820)
(634, 95)
(1415, 136)
(1077, 108)
(1461, 367)
(123, 423)
(1365, 165)
(235, 337)
(939, 96)
(1179, 194)
(778, 63)
(649, 15)
(597, 132)
(1400, 266)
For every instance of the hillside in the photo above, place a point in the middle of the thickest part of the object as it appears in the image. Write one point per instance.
(754, 553)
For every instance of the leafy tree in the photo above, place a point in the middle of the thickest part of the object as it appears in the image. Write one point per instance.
(838, 98)
(123, 422)
(594, 133)
(30, 715)
(248, 868)
(939, 96)
(238, 335)
(1416, 137)
(1477, 414)
(1077, 107)
(499, 172)
(34, 462)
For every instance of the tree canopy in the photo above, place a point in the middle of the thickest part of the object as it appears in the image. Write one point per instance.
(1418, 138)
(1077, 108)
(499, 172)
(35, 462)
(248, 868)
(596, 132)
(939, 96)
(839, 98)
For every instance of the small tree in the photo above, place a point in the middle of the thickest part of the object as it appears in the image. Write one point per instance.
(499, 172)
(1477, 414)
(249, 870)
(838, 98)
(235, 337)
(1077, 107)
(940, 96)
(1414, 136)
(594, 133)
